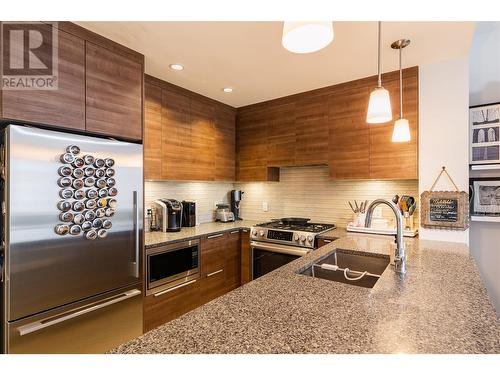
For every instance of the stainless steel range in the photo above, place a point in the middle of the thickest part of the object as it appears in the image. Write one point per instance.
(277, 243)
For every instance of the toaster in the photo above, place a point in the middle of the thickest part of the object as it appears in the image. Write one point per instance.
(223, 214)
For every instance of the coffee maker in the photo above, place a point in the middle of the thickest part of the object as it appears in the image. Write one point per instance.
(169, 214)
(235, 200)
(188, 214)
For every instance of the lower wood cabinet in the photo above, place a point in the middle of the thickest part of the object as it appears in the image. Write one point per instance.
(323, 242)
(220, 273)
(170, 305)
(246, 257)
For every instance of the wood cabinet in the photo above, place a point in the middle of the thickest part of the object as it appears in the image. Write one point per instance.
(99, 87)
(197, 135)
(358, 150)
(113, 93)
(328, 127)
(63, 107)
(233, 260)
(153, 137)
(246, 257)
(168, 306)
(252, 126)
(323, 242)
(220, 264)
(220, 273)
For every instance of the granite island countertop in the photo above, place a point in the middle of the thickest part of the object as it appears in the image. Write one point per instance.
(154, 239)
(439, 306)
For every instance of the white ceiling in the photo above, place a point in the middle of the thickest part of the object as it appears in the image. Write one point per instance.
(248, 56)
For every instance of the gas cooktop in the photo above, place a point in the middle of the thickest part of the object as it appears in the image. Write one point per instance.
(307, 227)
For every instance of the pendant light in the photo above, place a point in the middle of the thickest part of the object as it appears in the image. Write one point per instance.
(401, 132)
(306, 37)
(379, 106)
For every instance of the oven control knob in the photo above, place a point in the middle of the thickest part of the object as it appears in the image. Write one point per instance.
(302, 238)
(295, 237)
(310, 239)
(261, 233)
(254, 233)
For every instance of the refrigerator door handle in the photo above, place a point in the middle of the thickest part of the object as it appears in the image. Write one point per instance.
(135, 263)
(45, 323)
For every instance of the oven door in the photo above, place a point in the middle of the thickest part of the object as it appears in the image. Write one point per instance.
(267, 257)
(172, 265)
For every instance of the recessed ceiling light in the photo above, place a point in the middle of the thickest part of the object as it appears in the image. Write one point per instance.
(227, 89)
(176, 67)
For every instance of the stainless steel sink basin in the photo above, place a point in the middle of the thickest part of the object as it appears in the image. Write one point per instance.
(342, 266)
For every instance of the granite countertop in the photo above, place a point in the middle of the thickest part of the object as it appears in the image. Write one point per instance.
(153, 239)
(439, 306)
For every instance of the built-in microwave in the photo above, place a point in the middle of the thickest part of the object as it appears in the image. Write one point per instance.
(172, 265)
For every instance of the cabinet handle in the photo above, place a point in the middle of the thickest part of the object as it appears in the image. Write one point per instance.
(215, 236)
(326, 241)
(215, 273)
(245, 230)
(172, 289)
(235, 231)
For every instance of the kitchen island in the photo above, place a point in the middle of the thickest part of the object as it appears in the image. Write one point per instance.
(439, 306)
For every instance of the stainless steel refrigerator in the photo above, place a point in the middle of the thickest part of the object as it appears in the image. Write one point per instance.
(72, 229)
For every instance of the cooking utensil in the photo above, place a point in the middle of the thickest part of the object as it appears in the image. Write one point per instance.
(395, 199)
(357, 207)
(350, 205)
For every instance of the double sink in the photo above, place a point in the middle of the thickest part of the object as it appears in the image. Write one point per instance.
(345, 267)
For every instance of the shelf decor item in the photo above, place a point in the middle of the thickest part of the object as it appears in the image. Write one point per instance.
(485, 196)
(444, 209)
(484, 125)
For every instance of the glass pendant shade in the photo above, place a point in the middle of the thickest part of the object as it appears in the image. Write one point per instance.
(306, 37)
(379, 107)
(401, 132)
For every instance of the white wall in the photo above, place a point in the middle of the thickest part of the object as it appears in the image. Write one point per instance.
(484, 75)
(443, 133)
(484, 69)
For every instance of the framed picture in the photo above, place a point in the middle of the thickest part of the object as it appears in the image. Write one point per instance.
(484, 124)
(444, 210)
(485, 196)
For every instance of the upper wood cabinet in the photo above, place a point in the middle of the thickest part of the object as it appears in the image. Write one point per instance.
(100, 87)
(358, 150)
(191, 138)
(328, 127)
(63, 107)
(153, 137)
(113, 93)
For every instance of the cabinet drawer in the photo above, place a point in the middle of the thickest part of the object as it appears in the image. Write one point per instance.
(213, 285)
(213, 253)
(162, 307)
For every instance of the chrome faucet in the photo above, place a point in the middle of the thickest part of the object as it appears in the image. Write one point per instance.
(399, 256)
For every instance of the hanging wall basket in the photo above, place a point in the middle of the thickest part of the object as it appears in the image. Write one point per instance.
(444, 209)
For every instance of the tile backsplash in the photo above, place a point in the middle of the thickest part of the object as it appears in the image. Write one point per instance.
(302, 191)
(205, 194)
(309, 192)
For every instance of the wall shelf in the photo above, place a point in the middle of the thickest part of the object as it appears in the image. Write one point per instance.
(485, 218)
(484, 167)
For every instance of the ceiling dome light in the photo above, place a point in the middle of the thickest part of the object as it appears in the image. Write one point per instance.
(379, 106)
(176, 67)
(306, 37)
(227, 89)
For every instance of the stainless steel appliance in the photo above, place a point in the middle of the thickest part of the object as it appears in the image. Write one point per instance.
(72, 275)
(188, 214)
(279, 242)
(172, 266)
(223, 214)
(235, 200)
(169, 214)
